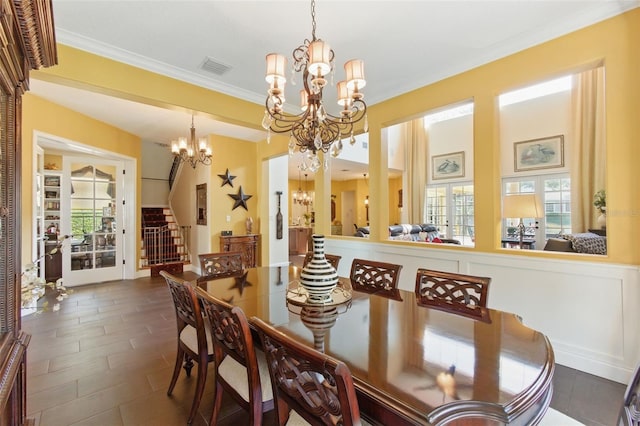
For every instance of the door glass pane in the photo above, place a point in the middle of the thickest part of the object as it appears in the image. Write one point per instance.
(437, 207)
(93, 216)
(463, 228)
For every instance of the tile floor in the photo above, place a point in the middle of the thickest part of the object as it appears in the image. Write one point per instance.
(106, 357)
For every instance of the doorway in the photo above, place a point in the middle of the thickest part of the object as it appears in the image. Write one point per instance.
(97, 205)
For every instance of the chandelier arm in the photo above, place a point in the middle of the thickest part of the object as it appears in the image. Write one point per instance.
(282, 123)
(300, 56)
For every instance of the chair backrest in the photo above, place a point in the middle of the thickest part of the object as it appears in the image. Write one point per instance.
(318, 387)
(376, 278)
(447, 291)
(231, 336)
(186, 305)
(333, 259)
(630, 412)
(218, 265)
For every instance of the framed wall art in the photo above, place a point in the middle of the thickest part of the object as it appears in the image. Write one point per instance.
(543, 153)
(447, 166)
(201, 204)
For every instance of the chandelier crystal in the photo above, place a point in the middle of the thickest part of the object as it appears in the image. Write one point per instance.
(314, 129)
(192, 151)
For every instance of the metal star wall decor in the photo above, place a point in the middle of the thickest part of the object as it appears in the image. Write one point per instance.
(227, 178)
(240, 199)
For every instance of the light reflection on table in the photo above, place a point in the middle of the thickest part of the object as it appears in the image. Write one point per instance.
(401, 355)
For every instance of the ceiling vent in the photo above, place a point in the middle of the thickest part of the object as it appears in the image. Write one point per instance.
(215, 67)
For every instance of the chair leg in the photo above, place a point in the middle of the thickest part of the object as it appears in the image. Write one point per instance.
(188, 364)
(283, 411)
(255, 413)
(202, 379)
(217, 402)
(176, 369)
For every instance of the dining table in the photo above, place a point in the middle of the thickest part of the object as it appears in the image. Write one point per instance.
(411, 365)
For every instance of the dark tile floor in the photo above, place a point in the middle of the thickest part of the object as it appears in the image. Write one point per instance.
(106, 357)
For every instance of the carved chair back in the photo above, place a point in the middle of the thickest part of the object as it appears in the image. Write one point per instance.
(235, 356)
(317, 387)
(333, 259)
(374, 277)
(458, 293)
(193, 344)
(630, 412)
(218, 265)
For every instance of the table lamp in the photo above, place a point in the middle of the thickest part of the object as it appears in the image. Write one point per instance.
(521, 206)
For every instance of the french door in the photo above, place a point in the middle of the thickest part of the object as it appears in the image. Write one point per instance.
(92, 196)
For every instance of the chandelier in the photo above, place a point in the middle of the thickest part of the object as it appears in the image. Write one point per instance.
(192, 151)
(314, 129)
(302, 198)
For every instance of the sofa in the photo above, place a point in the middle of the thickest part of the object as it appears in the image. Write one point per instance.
(410, 232)
(585, 242)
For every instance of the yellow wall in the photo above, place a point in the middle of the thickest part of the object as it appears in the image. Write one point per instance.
(239, 157)
(613, 41)
(395, 185)
(44, 116)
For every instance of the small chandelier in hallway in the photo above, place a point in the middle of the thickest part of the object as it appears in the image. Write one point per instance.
(314, 129)
(192, 151)
(302, 198)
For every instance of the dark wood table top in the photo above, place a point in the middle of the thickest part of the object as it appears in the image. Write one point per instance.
(410, 364)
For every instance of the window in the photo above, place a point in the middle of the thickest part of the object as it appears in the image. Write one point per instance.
(450, 208)
(555, 194)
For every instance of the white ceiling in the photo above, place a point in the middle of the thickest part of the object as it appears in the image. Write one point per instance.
(404, 44)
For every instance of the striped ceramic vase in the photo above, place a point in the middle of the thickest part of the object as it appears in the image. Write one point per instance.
(318, 277)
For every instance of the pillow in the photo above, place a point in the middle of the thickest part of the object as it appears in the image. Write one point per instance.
(429, 228)
(436, 240)
(587, 242)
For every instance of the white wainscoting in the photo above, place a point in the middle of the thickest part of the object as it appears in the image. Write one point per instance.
(590, 311)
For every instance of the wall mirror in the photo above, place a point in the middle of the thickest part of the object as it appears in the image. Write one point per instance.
(553, 148)
(431, 174)
(201, 204)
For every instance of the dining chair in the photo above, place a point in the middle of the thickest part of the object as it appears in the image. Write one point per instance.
(309, 387)
(630, 411)
(373, 277)
(219, 265)
(333, 259)
(194, 341)
(452, 292)
(240, 369)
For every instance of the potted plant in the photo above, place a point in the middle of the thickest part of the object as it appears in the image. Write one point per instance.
(600, 203)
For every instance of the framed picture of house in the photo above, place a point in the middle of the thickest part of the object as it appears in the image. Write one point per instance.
(201, 204)
(543, 153)
(447, 166)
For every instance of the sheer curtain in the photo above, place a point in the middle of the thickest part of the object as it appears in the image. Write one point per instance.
(588, 173)
(416, 164)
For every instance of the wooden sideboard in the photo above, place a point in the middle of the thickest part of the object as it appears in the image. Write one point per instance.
(246, 244)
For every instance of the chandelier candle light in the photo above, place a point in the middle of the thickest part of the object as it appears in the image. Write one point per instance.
(192, 151)
(314, 129)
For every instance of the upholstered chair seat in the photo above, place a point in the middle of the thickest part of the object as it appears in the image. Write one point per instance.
(235, 374)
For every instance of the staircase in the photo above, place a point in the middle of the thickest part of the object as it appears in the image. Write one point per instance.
(163, 246)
